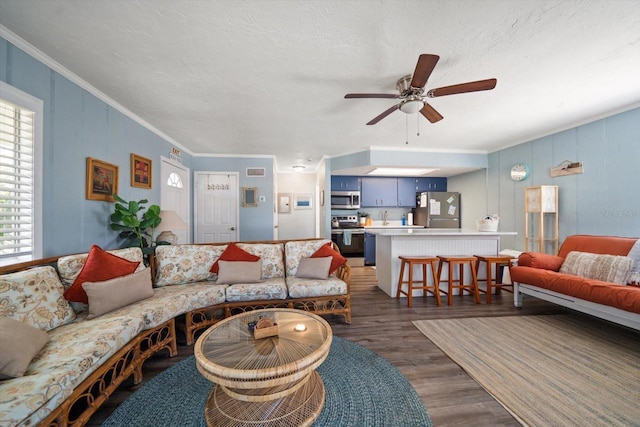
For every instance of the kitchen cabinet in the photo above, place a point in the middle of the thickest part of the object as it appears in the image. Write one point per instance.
(379, 192)
(345, 183)
(369, 249)
(431, 184)
(407, 189)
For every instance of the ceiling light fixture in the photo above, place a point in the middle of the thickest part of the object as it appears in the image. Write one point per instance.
(298, 168)
(401, 171)
(412, 105)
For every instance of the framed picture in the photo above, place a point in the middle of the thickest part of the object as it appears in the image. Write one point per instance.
(249, 197)
(102, 180)
(140, 172)
(302, 201)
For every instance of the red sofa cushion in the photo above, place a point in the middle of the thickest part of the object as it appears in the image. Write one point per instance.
(606, 245)
(620, 296)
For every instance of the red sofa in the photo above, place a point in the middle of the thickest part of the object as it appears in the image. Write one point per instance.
(540, 275)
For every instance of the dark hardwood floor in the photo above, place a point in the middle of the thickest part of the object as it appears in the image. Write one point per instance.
(383, 325)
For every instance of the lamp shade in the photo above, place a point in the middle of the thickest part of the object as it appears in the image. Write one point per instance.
(171, 221)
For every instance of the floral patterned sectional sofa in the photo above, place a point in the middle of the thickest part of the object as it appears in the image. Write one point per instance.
(73, 355)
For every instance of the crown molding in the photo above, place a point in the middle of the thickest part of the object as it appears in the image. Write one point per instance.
(31, 50)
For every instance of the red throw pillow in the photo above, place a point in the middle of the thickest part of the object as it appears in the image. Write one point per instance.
(99, 266)
(540, 260)
(233, 253)
(327, 250)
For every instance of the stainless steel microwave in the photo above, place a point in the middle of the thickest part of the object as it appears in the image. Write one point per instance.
(345, 200)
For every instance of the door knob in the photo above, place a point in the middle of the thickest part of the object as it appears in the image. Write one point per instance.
(233, 228)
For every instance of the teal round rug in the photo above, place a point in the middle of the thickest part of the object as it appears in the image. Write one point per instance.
(362, 389)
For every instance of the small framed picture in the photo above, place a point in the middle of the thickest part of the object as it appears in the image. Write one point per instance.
(102, 180)
(249, 197)
(302, 201)
(140, 172)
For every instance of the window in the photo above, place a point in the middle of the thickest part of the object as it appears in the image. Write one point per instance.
(174, 180)
(20, 176)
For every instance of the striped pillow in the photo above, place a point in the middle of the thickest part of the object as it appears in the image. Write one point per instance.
(607, 268)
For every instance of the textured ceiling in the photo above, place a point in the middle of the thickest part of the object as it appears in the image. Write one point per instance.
(269, 77)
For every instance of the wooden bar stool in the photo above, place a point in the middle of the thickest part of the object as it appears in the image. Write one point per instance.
(423, 284)
(460, 261)
(494, 263)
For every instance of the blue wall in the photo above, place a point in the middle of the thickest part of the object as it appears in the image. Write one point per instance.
(78, 125)
(256, 223)
(604, 200)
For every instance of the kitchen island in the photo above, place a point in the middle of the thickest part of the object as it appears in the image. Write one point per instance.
(390, 244)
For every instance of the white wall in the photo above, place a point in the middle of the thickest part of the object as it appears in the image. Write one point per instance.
(298, 223)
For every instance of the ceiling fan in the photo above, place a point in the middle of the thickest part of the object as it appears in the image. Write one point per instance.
(411, 89)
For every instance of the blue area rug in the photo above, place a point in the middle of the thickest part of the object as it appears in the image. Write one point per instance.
(362, 389)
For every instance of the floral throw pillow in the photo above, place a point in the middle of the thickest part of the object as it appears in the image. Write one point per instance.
(35, 297)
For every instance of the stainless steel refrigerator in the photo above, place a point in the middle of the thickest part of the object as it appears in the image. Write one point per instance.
(437, 210)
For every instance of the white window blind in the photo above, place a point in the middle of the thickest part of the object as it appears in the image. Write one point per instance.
(16, 180)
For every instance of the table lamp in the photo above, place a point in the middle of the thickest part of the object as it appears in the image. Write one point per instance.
(170, 221)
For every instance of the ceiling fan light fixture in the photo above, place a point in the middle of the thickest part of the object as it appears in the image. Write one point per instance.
(412, 105)
(298, 168)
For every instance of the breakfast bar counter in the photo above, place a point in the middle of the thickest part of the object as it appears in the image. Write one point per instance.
(392, 243)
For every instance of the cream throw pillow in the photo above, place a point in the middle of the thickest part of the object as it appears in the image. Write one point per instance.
(314, 268)
(111, 294)
(607, 268)
(19, 344)
(231, 272)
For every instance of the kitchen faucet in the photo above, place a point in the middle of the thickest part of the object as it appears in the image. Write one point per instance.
(384, 218)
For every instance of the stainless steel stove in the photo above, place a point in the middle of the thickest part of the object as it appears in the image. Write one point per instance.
(344, 222)
(348, 234)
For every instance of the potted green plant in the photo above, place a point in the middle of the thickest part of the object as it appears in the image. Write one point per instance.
(133, 228)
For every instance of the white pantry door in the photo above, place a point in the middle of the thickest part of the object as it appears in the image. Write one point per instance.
(174, 194)
(216, 205)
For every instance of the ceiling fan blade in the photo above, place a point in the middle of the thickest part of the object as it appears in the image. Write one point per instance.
(370, 95)
(463, 88)
(430, 113)
(383, 115)
(424, 68)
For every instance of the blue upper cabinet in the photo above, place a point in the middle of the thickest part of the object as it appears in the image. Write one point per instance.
(407, 189)
(431, 184)
(345, 183)
(379, 192)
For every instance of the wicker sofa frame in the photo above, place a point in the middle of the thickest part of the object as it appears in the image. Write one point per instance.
(87, 397)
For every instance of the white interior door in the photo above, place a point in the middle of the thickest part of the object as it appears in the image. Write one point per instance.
(216, 204)
(174, 194)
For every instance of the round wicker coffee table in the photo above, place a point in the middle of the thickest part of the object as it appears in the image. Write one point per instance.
(270, 381)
